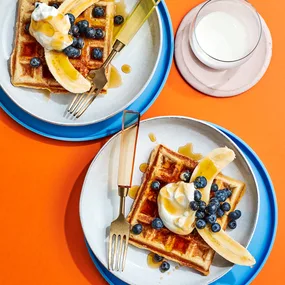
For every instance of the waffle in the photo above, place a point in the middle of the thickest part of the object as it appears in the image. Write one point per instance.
(26, 47)
(192, 251)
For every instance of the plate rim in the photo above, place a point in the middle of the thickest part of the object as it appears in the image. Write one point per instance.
(207, 124)
(158, 13)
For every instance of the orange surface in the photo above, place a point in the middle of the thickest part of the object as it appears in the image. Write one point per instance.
(41, 240)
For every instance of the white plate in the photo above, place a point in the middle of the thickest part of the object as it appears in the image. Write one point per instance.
(142, 54)
(99, 200)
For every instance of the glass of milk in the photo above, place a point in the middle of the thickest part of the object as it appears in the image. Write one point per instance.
(225, 33)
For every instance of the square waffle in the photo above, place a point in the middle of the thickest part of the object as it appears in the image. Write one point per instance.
(26, 47)
(166, 166)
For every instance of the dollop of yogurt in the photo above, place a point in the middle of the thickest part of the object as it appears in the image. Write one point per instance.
(50, 28)
(173, 207)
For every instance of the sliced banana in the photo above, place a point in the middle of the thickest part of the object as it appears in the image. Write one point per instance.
(210, 166)
(227, 247)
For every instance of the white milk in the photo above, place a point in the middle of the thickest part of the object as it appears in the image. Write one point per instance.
(221, 36)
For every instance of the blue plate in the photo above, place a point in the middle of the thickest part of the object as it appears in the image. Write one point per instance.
(264, 236)
(112, 125)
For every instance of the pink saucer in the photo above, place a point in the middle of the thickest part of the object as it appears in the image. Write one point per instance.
(219, 83)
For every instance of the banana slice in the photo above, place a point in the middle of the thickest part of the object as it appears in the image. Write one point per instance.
(75, 7)
(228, 248)
(210, 166)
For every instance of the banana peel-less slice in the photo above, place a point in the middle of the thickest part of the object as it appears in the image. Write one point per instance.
(227, 247)
(58, 63)
(210, 166)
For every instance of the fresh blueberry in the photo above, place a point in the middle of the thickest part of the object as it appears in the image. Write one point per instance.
(200, 224)
(185, 176)
(157, 224)
(200, 215)
(215, 201)
(155, 185)
(27, 28)
(71, 18)
(197, 195)
(220, 213)
(211, 208)
(202, 205)
(215, 227)
(235, 215)
(226, 207)
(80, 43)
(211, 219)
(75, 31)
(119, 20)
(35, 62)
(221, 195)
(165, 266)
(55, 5)
(157, 258)
(37, 4)
(194, 205)
(82, 25)
(90, 33)
(137, 229)
(200, 182)
(97, 53)
(232, 224)
(214, 187)
(99, 34)
(228, 192)
(72, 52)
(98, 12)
(74, 43)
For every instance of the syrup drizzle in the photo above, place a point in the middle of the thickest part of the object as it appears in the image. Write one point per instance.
(143, 167)
(152, 137)
(126, 69)
(187, 150)
(133, 191)
(150, 261)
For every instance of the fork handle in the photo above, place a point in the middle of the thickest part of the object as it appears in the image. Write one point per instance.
(117, 47)
(123, 193)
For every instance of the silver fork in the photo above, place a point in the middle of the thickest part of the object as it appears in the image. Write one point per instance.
(120, 228)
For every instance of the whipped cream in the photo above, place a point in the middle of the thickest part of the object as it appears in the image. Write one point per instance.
(50, 28)
(173, 207)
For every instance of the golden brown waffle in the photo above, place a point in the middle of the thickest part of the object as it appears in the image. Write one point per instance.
(166, 166)
(26, 47)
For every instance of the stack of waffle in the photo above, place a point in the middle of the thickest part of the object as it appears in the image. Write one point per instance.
(166, 166)
(26, 47)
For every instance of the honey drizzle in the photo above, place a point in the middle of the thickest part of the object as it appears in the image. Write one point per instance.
(143, 167)
(152, 137)
(133, 191)
(115, 78)
(126, 69)
(187, 150)
(151, 263)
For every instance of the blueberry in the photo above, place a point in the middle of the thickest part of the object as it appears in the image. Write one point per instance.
(99, 34)
(82, 25)
(214, 187)
(118, 20)
(200, 182)
(226, 207)
(72, 52)
(235, 215)
(157, 224)
(35, 62)
(215, 227)
(194, 205)
(220, 213)
(80, 43)
(155, 185)
(221, 195)
(37, 5)
(165, 266)
(232, 224)
(200, 215)
(97, 53)
(228, 192)
(200, 224)
(98, 12)
(55, 5)
(202, 205)
(211, 219)
(74, 43)
(197, 195)
(211, 208)
(137, 229)
(27, 28)
(185, 176)
(75, 31)
(71, 18)
(215, 201)
(90, 33)
(157, 258)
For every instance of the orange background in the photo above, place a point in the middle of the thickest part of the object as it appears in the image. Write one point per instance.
(41, 239)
